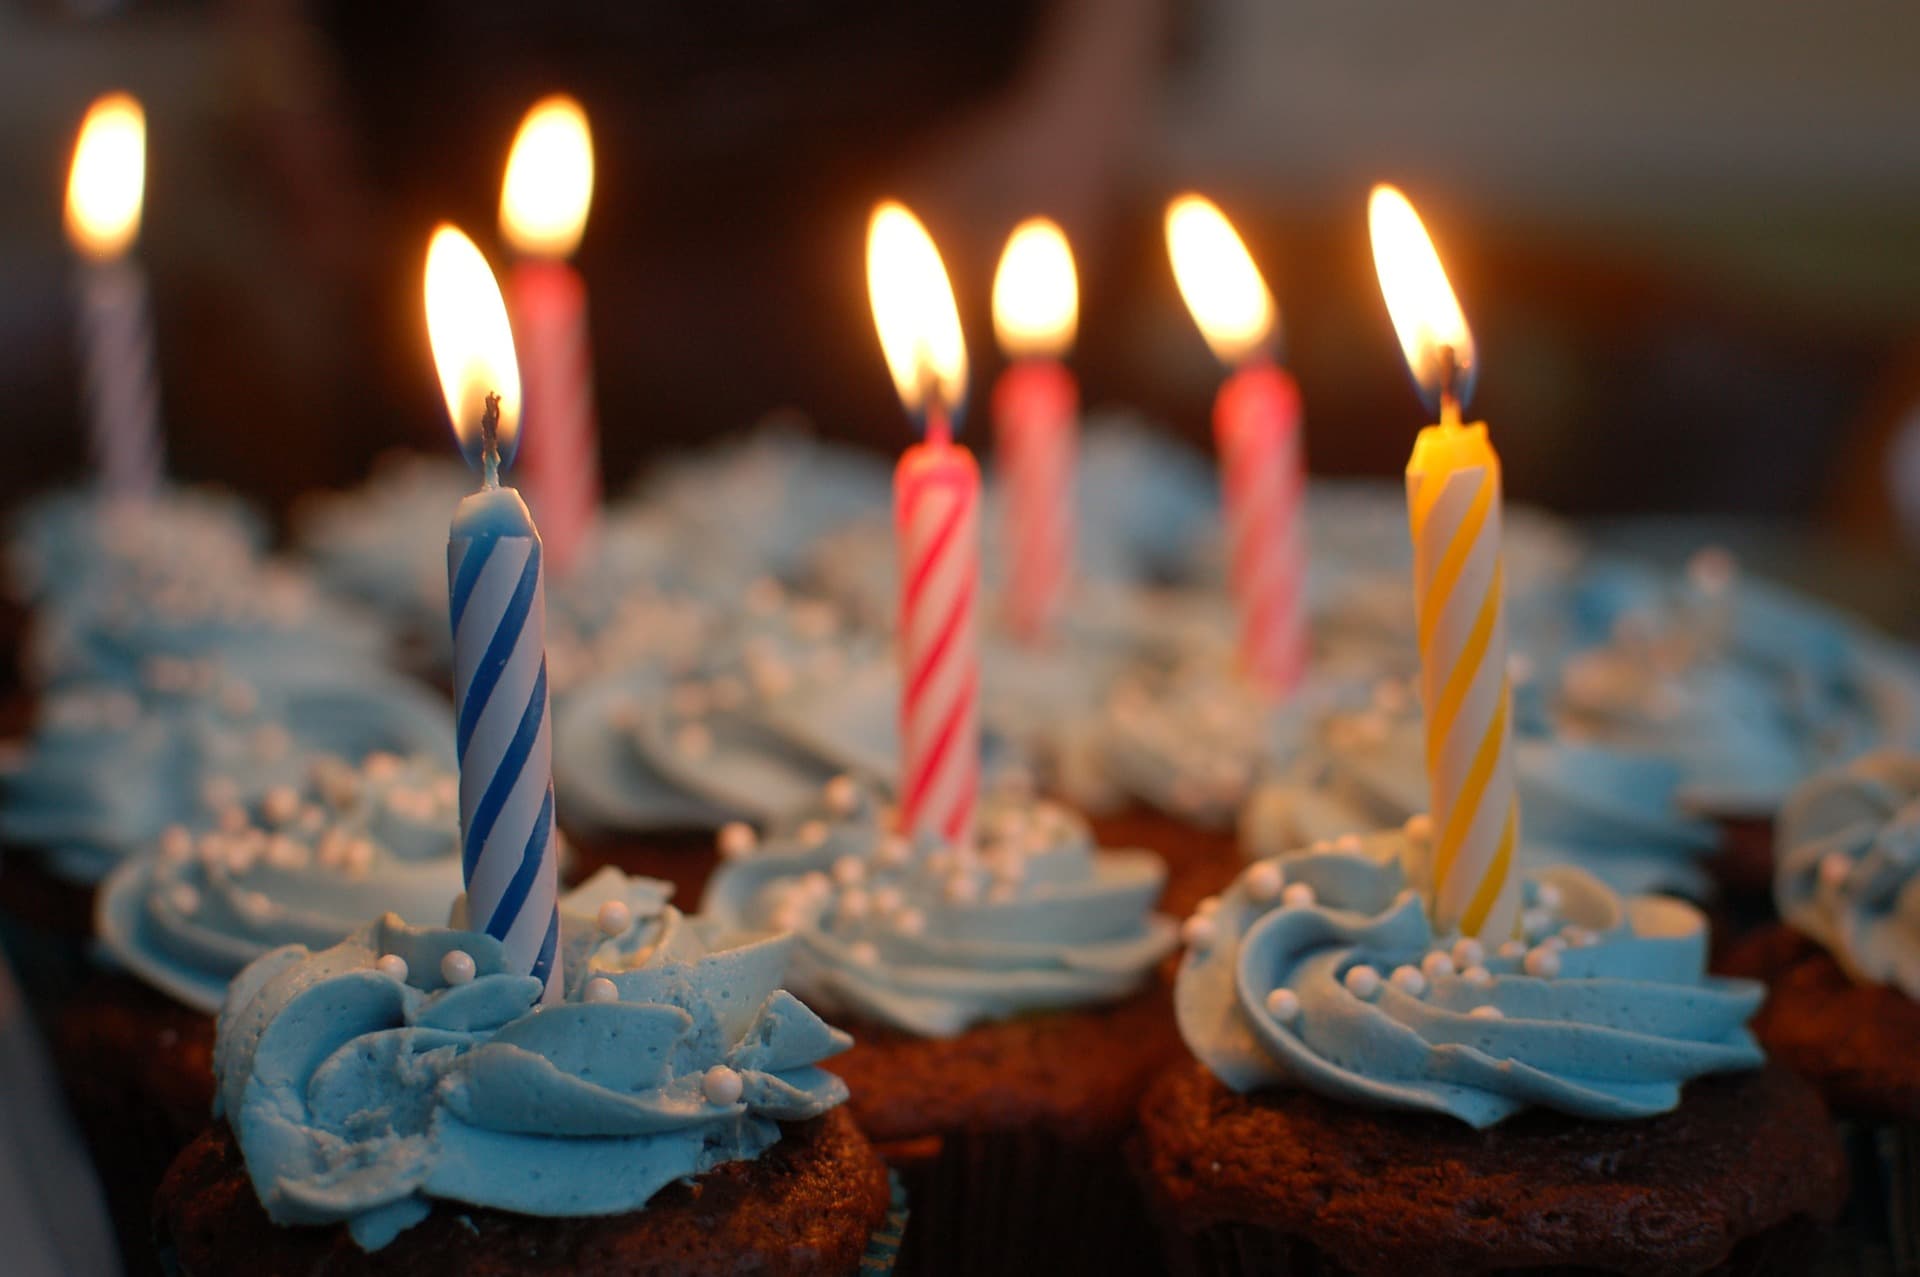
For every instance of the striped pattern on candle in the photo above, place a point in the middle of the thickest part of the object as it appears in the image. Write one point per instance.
(1469, 713)
(1035, 445)
(938, 518)
(560, 441)
(506, 749)
(122, 391)
(1264, 479)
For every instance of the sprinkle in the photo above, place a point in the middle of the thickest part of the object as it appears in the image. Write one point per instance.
(1299, 895)
(381, 766)
(736, 840)
(841, 795)
(1408, 980)
(1348, 843)
(1437, 965)
(910, 922)
(280, 804)
(894, 851)
(1208, 906)
(723, 1086)
(1284, 1005)
(1555, 943)
(1199, 932)
(1468, 952)
(812, 833)
(1264, 882)
(219, 791)
(816, 884)
(1835, 868)
(864, 953)
(1536, 922)
(961, 889)
(848, 870)
(1419, 828)
(888, 900)
(184, 898)
(788, 917)
(614, 917)
(1477, 975)
(176, 843)
(232, 819)
(1513, 950)
(1579, 937)
(1488, 1012)
(1543, 962)
(600, 989)
(392, 966)
(1548, 897)
(854, 904)
(456, 966)
(1362, 981)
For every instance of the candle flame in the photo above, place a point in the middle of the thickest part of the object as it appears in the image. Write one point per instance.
(109, 178)
(1218, 279)
(549, 182)
(472, 342)
(914, 312)
(1425, 313)
(1036, 295)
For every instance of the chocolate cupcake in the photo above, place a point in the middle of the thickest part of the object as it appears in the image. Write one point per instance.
(1843, 971)
(1005, 1009)
(402, 1103)
(1374, 1098)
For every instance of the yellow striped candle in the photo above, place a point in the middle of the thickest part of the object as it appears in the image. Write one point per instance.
(1454, 508)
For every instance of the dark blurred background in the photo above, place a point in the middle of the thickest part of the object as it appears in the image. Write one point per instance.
(1685, 233)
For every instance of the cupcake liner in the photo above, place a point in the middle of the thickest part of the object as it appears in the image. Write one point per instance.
(883, 1252)
(1022, 1201)
(1880, 1228)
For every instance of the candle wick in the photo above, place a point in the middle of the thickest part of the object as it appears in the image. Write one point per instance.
(1449, 386)
(939, 424)
(490, 442)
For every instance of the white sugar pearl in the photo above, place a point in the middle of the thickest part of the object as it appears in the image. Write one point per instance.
(1362, 981)
(1835, 868)
(1513, 950)
(176, 843)
(1264, 882)
(1556, 943)
(184, 898)
(855, 903)
(887, 900)
(1436, 965)
(816, 884)
(1418, 828)
(1199, 931)
(614, 917)
(600, 989)
(841, 795)
(392, 966)
(280, 804)
(1548, 897)
(233, 819)
(910, 922)
(1477, 975)
(722, 1085)
(381, 765)
(788, 917)
(1208, 906)
(1536, 922)
(1543, 962)
(811, 833)
(1579, 937)
(1468, 952)
(456, 966)
(736, 840)
(1488, 1012)
(961, 889)
(1347, 843)
(848, 870)
(894, 851)
(1284, 1005)
(1299, 895)
(694, 740)
(865, 953)
(1409, 980)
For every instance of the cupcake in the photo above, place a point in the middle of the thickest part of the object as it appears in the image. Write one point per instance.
(83, 539)
(1005, 1007)
(1370, 1097)
(1843, 972)
(402, 1103)
(301, 864)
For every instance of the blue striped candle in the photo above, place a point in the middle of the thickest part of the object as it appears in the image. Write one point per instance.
(498, 601)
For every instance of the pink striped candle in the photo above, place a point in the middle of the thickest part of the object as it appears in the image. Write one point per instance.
(936, 509)
(1035, 414)
(544, 200)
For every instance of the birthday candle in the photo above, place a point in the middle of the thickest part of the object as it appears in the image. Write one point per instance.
(104, 195)
(937, 527)
(498, 610)
(1454, 509)
(543, 210)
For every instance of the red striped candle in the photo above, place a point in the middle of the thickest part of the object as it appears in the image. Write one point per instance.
(544, 200)
(936, 503)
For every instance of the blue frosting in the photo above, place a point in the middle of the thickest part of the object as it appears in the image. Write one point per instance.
(81, 540)
(300, 865)
(933, 939)
(1321, 970)
(359, 1097)
(384, 543)
(1848, 867)
(1612, 812)
(108, 768)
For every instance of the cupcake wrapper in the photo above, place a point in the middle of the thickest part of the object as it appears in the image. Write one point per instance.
(1023, 1201)
(1880, 1229)
(884, 1250)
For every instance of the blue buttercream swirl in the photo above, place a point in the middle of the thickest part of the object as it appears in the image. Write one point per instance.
(932, 939)
(361, 1095)
(1321, 970)
(299, 865)
(1848, 871)
(83, 540)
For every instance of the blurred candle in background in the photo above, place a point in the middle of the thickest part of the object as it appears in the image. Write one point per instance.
(1256, 426)
(1036, 406)
(105, 190)
(544, 200)
(497, 600)
(936, 505)
(1454, 508)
